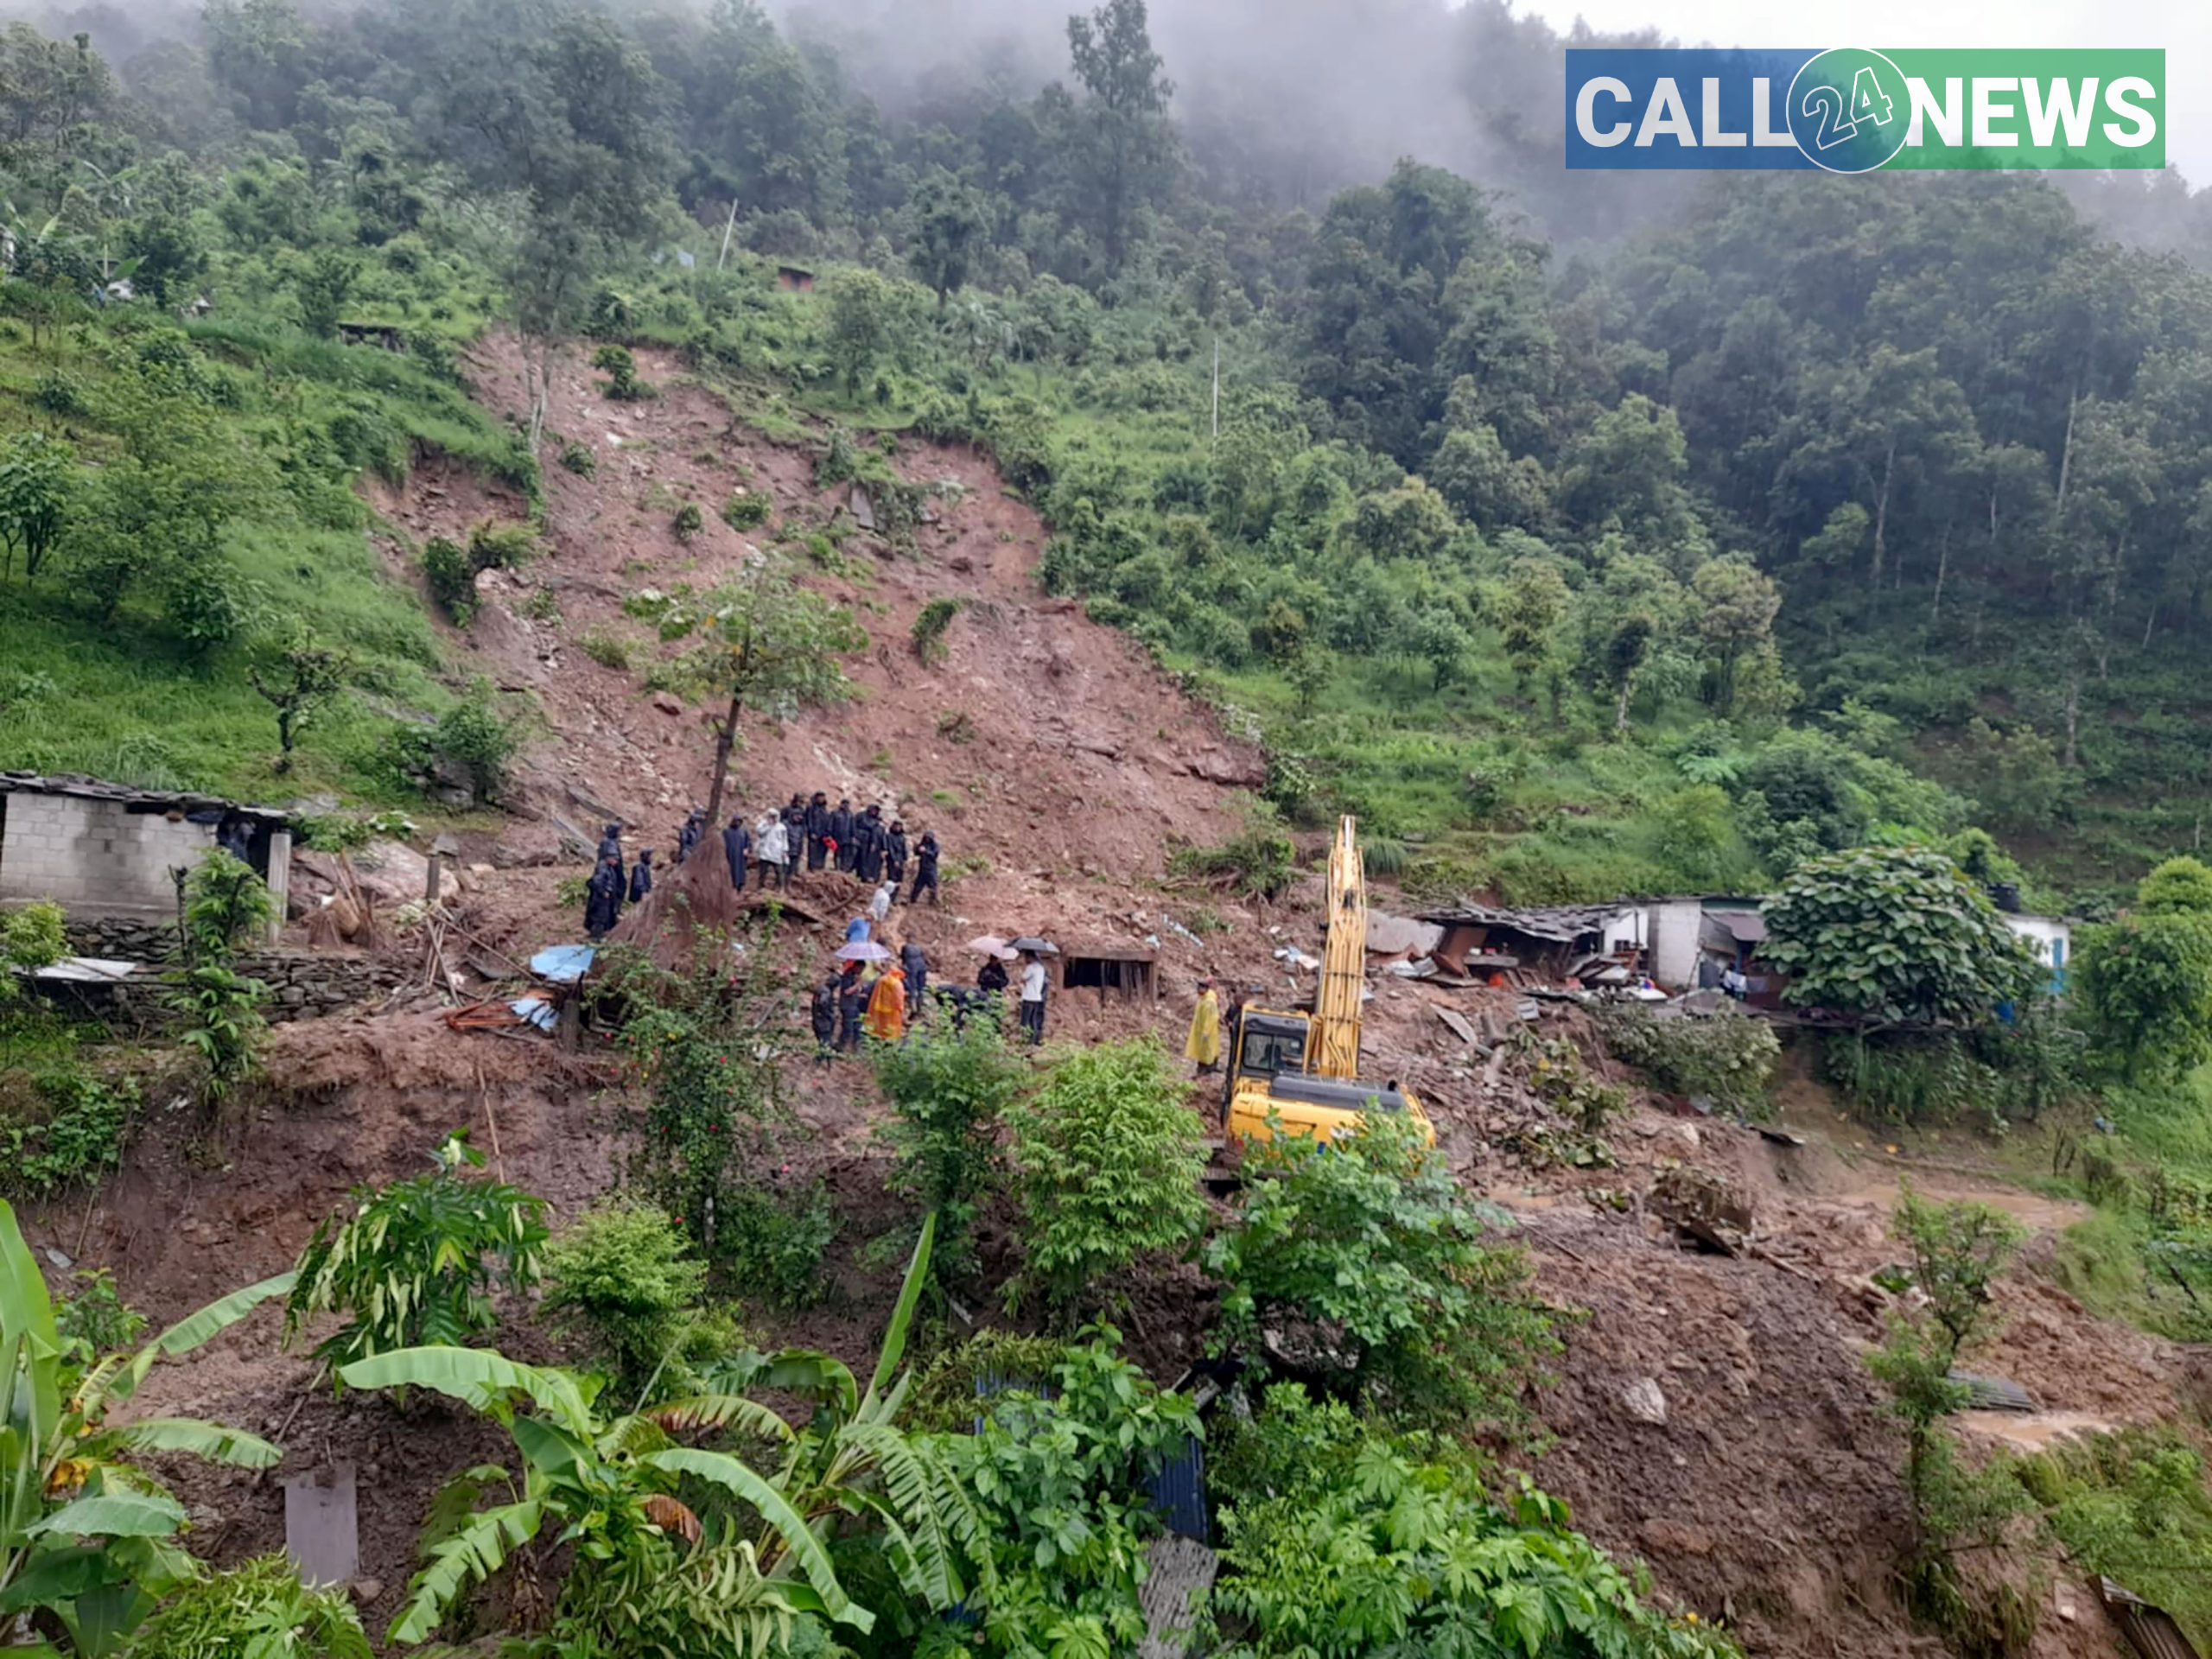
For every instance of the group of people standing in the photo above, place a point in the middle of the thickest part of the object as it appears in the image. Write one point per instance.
(863, 844)
(856, 1001)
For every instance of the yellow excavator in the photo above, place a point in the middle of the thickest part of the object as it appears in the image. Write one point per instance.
(1299, 1073)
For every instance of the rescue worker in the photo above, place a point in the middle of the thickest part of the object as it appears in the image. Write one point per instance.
(924, 869)
(824, 1013)
(610, 841)
(818, 830)
(914, 963)
(852, 1002)
(869, 836)
(687, 838)
(841, 832)
(1203, 1046)
(737, 843)
(641, 876)
(886, 1006)
(879, 905)
(894, 854)
(794, 837)
(603, 898)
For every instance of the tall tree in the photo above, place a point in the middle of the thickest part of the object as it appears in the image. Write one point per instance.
(761, 641)
(1128, 149)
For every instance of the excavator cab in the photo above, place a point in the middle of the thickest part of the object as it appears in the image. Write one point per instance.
(1269, 1080)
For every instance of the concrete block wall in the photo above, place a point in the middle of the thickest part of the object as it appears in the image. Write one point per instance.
(93, 856)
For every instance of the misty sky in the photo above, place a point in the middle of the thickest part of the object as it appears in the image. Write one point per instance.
(2184, 30)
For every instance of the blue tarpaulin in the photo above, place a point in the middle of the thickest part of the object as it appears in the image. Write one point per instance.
(537, 1011)
(563, 964)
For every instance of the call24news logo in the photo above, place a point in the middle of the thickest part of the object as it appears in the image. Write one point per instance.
(1851, 109)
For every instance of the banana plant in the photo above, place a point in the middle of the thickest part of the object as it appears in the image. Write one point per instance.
(853, 1460)
(609, 1487)
(86, 1539)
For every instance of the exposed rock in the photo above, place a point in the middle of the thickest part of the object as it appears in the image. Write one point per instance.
(1642, 1401)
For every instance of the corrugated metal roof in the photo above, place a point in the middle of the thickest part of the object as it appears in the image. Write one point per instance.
(159, 800)
(1562, 924)
(1177, 1491)
(2150, 1630)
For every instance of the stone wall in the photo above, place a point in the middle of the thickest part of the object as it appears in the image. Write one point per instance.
(303, 984)
(94, 855)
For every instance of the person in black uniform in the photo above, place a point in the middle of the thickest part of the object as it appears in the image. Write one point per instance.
(688, 837)
(818, 830)
(924, 869)
(894, 857)
(603, 898)
(824, 1013)
(737, 843)
(794, 839)
(852, 1002)
(867, 837)
(841, 831)
(641, 876)
(914, 963)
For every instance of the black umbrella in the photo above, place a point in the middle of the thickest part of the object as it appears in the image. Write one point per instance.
(1042, 947)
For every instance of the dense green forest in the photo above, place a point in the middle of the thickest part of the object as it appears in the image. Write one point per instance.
(1578, 552)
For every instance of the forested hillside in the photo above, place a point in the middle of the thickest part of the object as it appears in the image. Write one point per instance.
(1827, 509)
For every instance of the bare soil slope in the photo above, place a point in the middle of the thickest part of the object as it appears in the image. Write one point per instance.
(1770, 1496)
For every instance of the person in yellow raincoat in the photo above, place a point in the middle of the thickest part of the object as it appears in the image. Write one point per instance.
(885, 1019)
(1203, 1045)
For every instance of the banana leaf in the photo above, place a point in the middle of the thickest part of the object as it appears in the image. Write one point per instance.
(784, 1521)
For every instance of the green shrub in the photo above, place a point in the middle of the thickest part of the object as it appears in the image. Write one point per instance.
(747, 510)
(494, 546)
(1362, 1250)
(470, 746)
(949, 1091)
(58, 393)
(1726, 1058)
(688, 523)
(608, 649)
(930, 628)
(577, 458)
(622, 1281)
(1257, 863)
(620, 369)
(94, 1319)
(1343, 1537)
(1106, 1160)
(259, 1610)
(771, 1244)
(452, 579)
(31, 935)
(417, 1260)
(72, 1128)
(2132, 1505)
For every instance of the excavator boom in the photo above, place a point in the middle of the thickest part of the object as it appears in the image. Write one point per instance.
(1344, 960)
(1296, 1073)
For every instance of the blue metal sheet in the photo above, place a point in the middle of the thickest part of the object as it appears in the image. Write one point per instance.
(1177, 1490)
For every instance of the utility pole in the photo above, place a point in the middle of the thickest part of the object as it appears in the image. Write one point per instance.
(726, 229)
(1216, 388)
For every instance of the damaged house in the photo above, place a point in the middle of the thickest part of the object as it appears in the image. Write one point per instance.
(1545, 944)
(107, 850)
